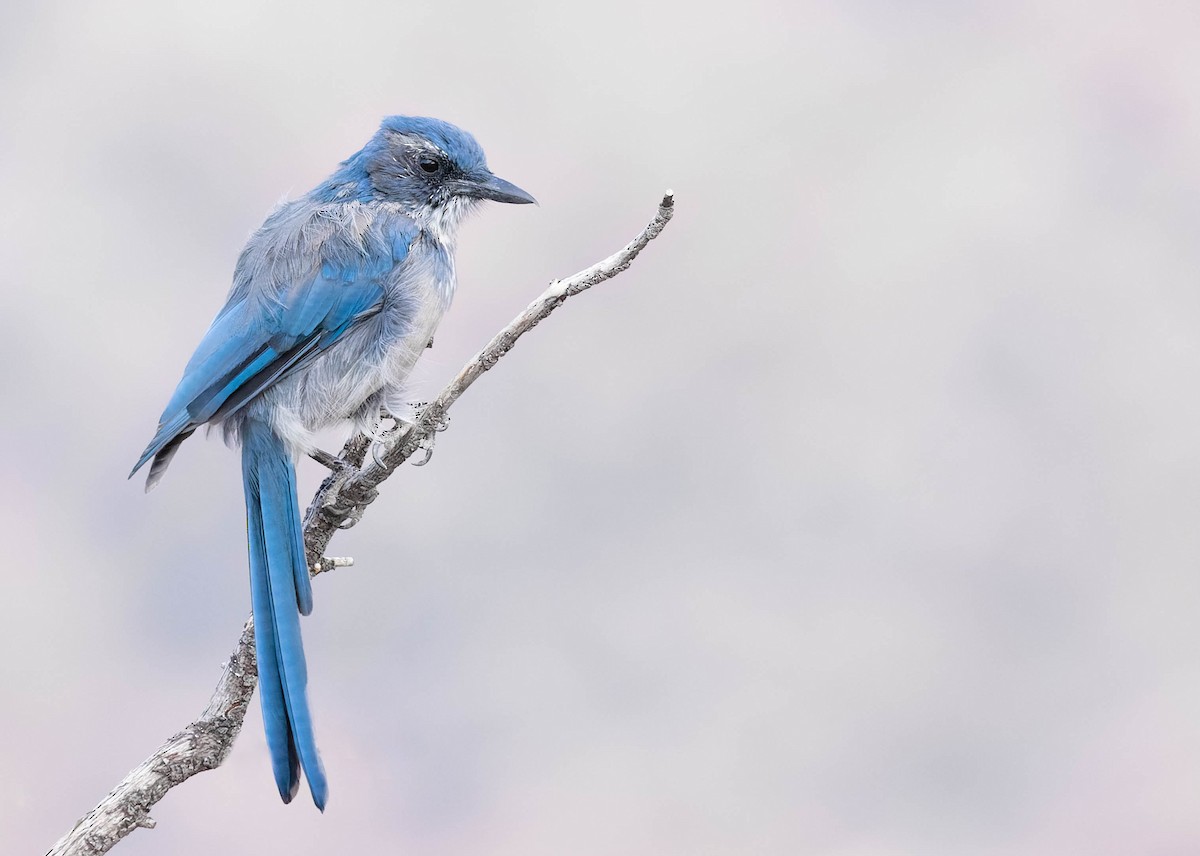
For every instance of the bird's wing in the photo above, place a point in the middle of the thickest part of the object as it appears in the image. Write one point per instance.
(254, 343)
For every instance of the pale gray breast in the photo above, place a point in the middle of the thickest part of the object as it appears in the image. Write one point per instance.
(418, 296)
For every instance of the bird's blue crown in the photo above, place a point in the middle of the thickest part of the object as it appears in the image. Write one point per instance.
(378, 167)
(459, 145)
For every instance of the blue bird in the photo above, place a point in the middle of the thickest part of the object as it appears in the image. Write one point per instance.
(333, 300)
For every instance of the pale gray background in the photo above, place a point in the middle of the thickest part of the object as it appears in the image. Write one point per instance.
(861, 517)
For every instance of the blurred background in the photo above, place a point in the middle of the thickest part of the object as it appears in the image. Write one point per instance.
(861, 516)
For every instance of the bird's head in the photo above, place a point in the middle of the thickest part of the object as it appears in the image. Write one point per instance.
(435, 171)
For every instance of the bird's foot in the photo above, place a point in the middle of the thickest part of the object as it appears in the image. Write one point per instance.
(426, 442)
(389, 437)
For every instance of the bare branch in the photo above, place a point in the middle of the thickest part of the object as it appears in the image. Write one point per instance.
(339, 501)
(202, 745)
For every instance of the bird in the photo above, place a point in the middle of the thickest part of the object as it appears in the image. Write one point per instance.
(333, 300)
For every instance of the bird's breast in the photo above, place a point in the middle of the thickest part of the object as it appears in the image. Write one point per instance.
(415, 318)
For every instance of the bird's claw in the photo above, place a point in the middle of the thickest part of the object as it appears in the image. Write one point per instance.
(426, 447)
(427, 441)
(425, 444)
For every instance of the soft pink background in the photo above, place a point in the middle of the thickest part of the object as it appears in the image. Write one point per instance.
(861, 517)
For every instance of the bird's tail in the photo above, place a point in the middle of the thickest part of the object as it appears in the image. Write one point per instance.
(281, 592)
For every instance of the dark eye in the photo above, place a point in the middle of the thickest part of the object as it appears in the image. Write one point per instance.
(428, 164)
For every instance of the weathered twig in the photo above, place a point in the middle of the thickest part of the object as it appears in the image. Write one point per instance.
(341, 498)
(203, 745)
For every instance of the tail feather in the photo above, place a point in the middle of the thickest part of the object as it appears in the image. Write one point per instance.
(285, 762)
(280, 592)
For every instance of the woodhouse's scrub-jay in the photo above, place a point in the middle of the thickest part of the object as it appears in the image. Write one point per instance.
(334, 298)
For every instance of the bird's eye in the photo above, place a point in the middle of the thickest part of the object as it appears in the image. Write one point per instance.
(428, 164)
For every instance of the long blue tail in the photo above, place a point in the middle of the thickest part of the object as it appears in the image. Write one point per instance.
(281, 592)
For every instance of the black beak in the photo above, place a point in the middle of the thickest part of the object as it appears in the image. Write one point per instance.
(489, 186)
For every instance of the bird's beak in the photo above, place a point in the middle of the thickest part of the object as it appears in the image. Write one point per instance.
(488, 186)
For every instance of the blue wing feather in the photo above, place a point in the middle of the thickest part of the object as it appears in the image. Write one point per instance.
(252, 344)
